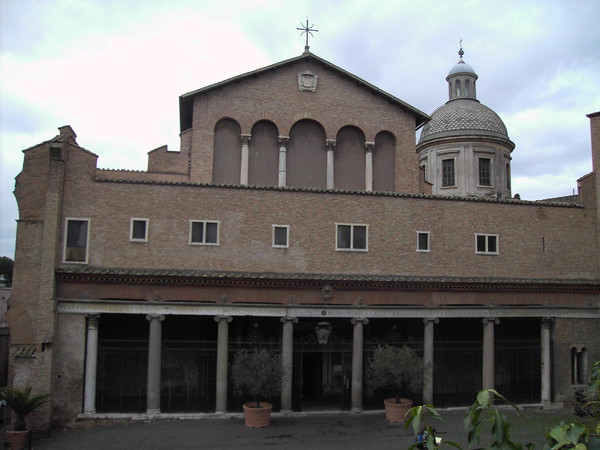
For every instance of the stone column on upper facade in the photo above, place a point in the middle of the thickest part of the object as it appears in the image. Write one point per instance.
(330, 144)
(287, 363)
(154, 363)
(488, 352)
(245, 157)
(428, 359)
(222, 362)
(357, 364)
(282, 180)
(91, 362)
(369, 147)
(546, 368)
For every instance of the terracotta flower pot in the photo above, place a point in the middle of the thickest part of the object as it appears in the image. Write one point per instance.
(396, 412)
(17, 440)
(257, 417)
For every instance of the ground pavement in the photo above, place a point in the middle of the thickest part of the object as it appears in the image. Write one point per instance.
(366, 430)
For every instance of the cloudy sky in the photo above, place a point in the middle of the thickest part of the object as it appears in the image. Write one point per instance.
(114, 69)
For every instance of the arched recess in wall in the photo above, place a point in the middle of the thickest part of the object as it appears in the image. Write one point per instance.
(384, 162)
(263, 154)
(307, 156)
(227, 152)
(349, 157)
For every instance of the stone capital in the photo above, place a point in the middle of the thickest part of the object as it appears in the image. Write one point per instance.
(159, 317)
(362, 320)
(288, 319)
(493, 320)
(434, 320)
(93, 320)
(227, 319)
(369, 146)
(283, 140)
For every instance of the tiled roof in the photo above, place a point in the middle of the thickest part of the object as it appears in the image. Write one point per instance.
(463, 117)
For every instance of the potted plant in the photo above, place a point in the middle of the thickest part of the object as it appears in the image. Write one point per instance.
(257, 375)
(400, 369)
(22, 403)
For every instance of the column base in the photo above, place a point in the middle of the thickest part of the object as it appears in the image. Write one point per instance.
(356, 410)
(153, 411)
(89, 411)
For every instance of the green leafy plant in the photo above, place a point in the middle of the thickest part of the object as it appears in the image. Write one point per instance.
(257, 374)
(419, 419)
(22, 403)
(482, 413)
(398, 368)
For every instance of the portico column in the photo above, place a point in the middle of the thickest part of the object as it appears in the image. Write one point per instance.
(154, 363)
(546, 359)
(244, 161)
(488, 352)
(369, 147)
(428, 360)
(282, 160)
(330, 144)
(287, 363)
(91, 362)
(222, 360)
(357, 363)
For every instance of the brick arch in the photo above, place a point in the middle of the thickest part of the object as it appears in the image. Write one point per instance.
(349, 157)
(384, 162)
(307, 155)
(227, 152)
(263, 154)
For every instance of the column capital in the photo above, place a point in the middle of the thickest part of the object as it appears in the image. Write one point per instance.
(227, 319)
(150, 317)
(434, 320)
(369, 146)
(92, 320)
(246, 138)
(547, 322)
(284, 139)
(330, 144)
(493, 320)
(288, 319)
(362, 320)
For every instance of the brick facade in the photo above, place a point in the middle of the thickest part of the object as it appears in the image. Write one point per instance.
(547, 264)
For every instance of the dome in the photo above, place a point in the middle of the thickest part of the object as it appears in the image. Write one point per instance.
(461, 67)
(464, 118)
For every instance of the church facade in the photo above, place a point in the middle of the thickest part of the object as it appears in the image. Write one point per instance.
(300, 215)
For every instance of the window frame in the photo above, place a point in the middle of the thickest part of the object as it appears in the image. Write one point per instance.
(66, 239)
(454, 185)
(204, 223)
(487, 237)
(352, 227)
(287, 236)
(490, 171)
(425, 233)
(131, 229)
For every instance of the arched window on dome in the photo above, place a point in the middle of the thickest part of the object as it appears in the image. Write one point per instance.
(467, 88)
(458, 88)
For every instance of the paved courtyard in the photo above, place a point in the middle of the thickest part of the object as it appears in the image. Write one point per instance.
(367, 430)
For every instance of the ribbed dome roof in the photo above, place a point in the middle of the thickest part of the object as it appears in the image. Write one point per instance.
(464, 117)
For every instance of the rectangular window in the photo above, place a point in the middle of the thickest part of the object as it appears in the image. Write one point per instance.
(138, 230)
(204, 232)
(351, 237)
(485, 172)
(76, 241)
(507, 176)
(280, 236)
(448, 173)
(423, 241)
(486, 244)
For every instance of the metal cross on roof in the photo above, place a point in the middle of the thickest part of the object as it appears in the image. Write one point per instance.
(306, 30)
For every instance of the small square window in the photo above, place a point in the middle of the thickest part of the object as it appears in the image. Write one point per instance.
(423, 241)
(204, 232)
(351, 237)
(139, 230)
(280, 236)
(76, 240)
(486, 244)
